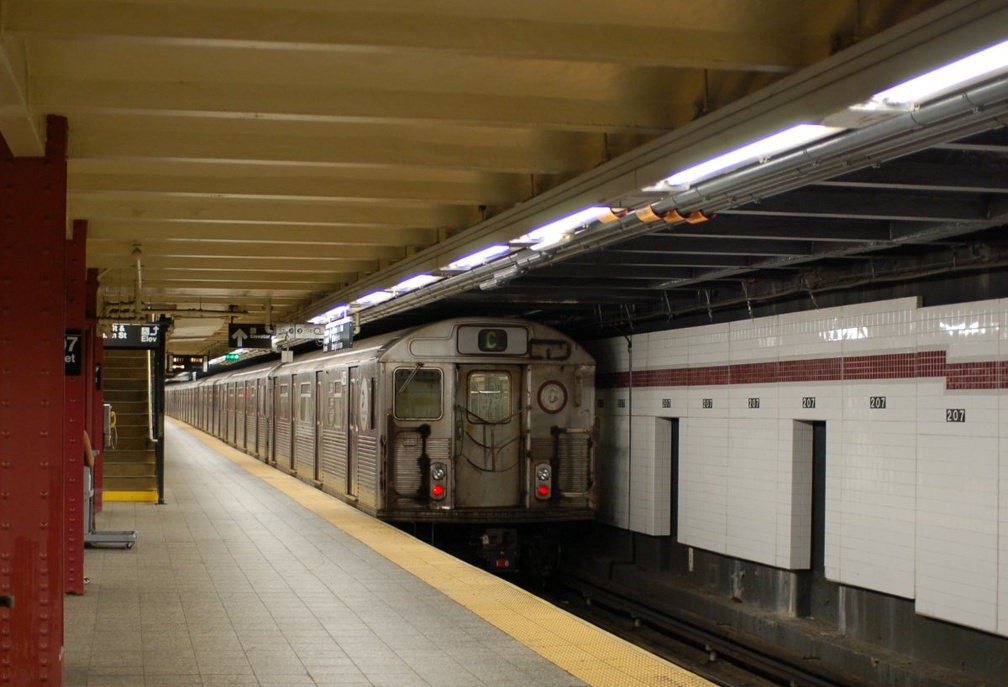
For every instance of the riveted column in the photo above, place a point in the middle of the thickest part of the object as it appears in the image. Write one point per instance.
(75, 353)
(32, 248)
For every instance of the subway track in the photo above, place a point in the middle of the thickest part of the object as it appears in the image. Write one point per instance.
(716, 656)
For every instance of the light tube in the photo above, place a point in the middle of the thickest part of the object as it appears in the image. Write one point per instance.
(336, 313)
(973, 67)
(479, 257)
(414, 283)
(373, 298)
(793, 137)
(557, 230)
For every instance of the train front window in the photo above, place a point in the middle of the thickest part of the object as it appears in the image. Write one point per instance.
(417, 393)
(489, 397)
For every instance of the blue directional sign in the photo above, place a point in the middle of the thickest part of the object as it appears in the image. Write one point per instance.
(250, 336)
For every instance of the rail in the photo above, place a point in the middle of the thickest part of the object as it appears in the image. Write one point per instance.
(772, 666)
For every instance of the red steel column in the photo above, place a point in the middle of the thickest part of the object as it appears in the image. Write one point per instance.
(75, 409)
(32, 247)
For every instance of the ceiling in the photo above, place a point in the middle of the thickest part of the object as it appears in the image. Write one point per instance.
(253, 161)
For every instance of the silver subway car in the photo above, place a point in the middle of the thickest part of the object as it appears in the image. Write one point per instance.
(466, 421)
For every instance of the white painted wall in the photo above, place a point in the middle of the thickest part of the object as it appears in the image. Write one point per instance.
(916, 506)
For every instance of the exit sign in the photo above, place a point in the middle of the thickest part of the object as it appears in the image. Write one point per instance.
(231, 357)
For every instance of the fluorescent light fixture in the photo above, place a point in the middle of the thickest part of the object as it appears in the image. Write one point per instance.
(794, 137)
(479, 257)
(558, 230)
(337, 313)
(415, 282)
(373, 298)
(971, 68)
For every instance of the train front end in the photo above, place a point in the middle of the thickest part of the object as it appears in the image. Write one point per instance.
(491, 424)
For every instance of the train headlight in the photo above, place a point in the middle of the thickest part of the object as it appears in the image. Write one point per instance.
(543, 481)
(439, 481)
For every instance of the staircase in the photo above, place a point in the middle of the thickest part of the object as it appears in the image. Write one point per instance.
(129, 464)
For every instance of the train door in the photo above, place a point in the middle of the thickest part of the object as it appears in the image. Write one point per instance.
(321, 403)
(358, 386)
(251, 416)
(239, 431)
(489, 440)
(284, 428)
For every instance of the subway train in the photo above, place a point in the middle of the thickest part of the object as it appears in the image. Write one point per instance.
(484, 429)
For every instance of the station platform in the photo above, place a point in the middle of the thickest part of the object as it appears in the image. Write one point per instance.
(247, 576)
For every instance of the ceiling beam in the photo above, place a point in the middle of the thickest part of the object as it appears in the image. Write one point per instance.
(127, 207)
(334, 105)
(501, 150)
(143, 230)
(748, 48)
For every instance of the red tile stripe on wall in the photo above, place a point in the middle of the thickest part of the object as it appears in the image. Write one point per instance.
(958, 376)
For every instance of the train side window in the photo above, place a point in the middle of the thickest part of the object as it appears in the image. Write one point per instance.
(305, 402)
(284, 409)
(417, 393)
(336, 401)
(489, 397)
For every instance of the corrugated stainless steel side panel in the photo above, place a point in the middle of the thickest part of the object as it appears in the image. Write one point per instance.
(304, 452)
(367, 469)
(283, 440)
(574, 458)
(406, 449)
(250, 432)
(262, 447)
(333, 460)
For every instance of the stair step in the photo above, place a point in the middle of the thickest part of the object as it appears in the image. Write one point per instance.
(130, 470)
(129, 484)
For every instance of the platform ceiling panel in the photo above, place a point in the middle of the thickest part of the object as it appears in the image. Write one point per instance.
(244, 160)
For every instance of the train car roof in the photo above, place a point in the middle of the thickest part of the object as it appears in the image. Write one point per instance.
(382, 345)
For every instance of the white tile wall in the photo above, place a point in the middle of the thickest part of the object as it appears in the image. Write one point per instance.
(708, 345)
(968, 331)
(753, 340)
(794, 480)
(875, 494)
(703, 479)
(957, 532)
(878, 328)
(916, 506)
(651, 480)
(1003, 514)
(752, 490)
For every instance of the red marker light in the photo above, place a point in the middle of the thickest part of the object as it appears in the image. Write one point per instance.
(437, 490)
(544, 490)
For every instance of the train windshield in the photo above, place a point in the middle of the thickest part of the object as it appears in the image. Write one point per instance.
(489, 397)
(417, 393)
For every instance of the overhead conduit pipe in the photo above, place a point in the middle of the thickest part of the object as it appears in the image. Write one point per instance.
(138, 291)
(968, 111)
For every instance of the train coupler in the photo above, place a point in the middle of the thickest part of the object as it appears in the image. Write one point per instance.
(498, 549)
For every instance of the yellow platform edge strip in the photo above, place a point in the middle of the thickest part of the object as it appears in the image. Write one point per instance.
(135, 496)
(583, 650)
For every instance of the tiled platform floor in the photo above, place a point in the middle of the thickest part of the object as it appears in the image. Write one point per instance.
(233, 582)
